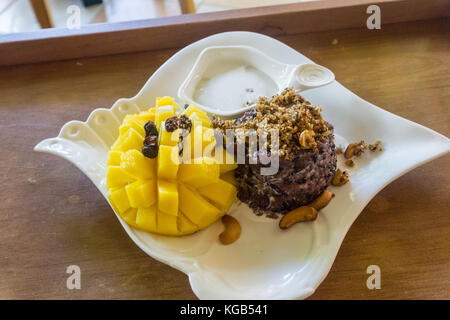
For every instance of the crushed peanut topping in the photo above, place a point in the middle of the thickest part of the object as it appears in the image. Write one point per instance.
(299, 123)
(376, 146)
(358, 148)
(355, 149)
(350, 163)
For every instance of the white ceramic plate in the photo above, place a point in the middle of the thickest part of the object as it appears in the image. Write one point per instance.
(265, 263)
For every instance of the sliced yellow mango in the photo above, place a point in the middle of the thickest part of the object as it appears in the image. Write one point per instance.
(117, 177)
(131, 140)
(198, 118)
(222, 194)
(131, 121)
(168, 197)
(162, 114)
(147, 116)
(193, 108)
(114, 158)
(202, 172)
(199, 143)
(137, 165)
(167, 224)
(119, 199)
(168, 138)
(168, 162)
(196, 208)
(186, 226)
(164, 101)
(159, 195)
(146, 219)
(141, 193)
(116, 145)
(129, 216)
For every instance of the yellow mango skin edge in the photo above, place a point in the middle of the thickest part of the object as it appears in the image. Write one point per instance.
(163, 195)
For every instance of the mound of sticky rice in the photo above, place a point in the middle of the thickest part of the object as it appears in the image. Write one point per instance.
(307, 156)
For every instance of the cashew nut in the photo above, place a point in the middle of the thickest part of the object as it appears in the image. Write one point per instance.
(355, 149)
(232, 230)
(340, 178)
(300, 214)
(350, 163)
(322, 201)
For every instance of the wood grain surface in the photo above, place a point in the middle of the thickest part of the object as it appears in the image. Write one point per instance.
(52, 216)
(178, 31)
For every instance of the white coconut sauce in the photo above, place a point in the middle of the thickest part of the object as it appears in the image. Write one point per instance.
(234, 87)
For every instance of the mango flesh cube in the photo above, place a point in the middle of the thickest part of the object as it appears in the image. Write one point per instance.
(229, 177)
(202, 172)
(132, 122)
(114, 158)
(162, 114)
(197, 118)
(193, 108)
(167, 224)
(146, 219)
(208, 135)
(168, 162)
(146, 116)
(196, 208)
(192, 148)
(203, 135)
(131, 140)
(129, 216)
(186, 226)
(117, 177)
(199, 143)
(119, 200)
(117, 144)
(193, 143)
(168, 197)
(137, 165)
(222, 193)
(164, 101)
(141, 193)
(168, 138)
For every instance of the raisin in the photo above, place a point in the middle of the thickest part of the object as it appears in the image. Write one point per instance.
(150, 129)
(150, 151)
(150, 141)
(172, 124)
(185, 123)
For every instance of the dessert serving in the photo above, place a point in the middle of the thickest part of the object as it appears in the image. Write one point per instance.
(164, 174)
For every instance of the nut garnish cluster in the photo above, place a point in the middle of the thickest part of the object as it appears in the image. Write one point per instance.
(299, 123)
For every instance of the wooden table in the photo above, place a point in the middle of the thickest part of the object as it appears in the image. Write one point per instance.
(52, 216)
